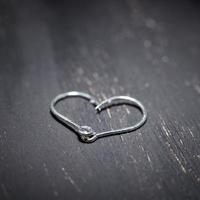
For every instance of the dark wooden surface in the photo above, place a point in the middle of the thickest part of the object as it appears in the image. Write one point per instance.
(147, 49)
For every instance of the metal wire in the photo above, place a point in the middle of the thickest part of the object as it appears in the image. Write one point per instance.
(85, 132)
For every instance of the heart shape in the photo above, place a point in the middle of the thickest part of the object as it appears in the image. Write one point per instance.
(85, 132)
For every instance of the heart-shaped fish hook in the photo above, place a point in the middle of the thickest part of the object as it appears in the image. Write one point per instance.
(85, 132)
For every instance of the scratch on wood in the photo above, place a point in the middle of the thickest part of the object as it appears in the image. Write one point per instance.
(178, 160)
(141, 147)
(158, 186)
(99, 119)
(104, 96)
(191, 133)
(109, 113)
(121, 137)
(46, 169)
(88, 81)
(166, 130)
(176, 157)
(127, 110)
(133, 159)
(140, 134)
(197, 88)
(92, 91)
(96, 76)
(78, 80)
(80, 71)
(116, 80)
(149, 160)
(55, 193)
(121, 88)
(108, 110)
(146, 85)
(113, 90)
(68, 177)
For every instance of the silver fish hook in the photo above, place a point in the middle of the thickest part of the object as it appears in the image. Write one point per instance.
(85, 132)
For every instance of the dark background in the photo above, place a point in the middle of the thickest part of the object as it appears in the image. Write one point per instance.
(149, 50)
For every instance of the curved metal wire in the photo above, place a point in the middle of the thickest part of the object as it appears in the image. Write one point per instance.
(85, 132)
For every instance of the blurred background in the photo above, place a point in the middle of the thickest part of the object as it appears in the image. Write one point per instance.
(149, 50)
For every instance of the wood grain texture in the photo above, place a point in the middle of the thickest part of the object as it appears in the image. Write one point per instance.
(148, 50)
